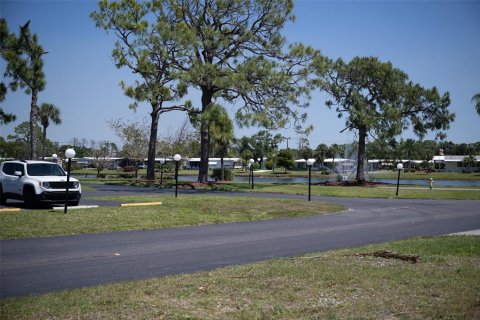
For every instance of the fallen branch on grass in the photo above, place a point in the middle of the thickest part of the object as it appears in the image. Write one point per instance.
(389, 255)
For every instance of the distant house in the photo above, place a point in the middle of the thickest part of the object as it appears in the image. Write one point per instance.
(454, 163)
(213, 163)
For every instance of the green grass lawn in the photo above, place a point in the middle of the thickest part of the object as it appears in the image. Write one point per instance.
(384, 192)
(375, 192)
(423, 176)
(174, 212)
(392, 174)
(444, 284)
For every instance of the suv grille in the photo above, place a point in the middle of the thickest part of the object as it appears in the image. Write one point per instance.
(61, 185)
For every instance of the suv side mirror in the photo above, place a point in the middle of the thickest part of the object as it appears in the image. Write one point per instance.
(18, 173)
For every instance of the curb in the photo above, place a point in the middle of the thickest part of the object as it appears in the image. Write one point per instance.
(466, 233)
(140, 204)
(73, 208)
(10, 209)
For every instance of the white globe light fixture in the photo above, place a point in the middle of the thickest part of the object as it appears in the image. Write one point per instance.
(177, 158)
(250, 162)
(162, 161)
(54, 157)
(399, 167)
(69, 154)
(310, 163)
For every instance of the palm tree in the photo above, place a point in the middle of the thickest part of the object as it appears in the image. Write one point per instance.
(409, 147)
(48, 112)
(469, 162)
(320, 153)
(476, 98)
(336, 150)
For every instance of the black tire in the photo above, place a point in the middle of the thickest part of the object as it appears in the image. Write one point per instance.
(3, 198)
(29, 198)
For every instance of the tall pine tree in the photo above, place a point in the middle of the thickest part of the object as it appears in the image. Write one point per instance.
(23, 55)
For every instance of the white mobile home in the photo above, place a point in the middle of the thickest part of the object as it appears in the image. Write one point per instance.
(454, 164)
(213, 163)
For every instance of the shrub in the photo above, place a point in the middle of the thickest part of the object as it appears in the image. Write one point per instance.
(125, 175)
(217, 174)
(269, 164)
(129, 169)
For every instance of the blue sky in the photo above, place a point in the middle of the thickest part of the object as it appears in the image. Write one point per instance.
(435, 42)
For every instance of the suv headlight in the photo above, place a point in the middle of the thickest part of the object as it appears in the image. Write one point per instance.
(46, 185)
(75, 184)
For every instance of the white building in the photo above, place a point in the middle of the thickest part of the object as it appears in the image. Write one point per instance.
(213, 163)
(454, 164)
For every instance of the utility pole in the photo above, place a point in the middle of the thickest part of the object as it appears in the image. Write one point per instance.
(286, 138)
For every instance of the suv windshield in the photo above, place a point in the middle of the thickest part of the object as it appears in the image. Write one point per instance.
(44, 169)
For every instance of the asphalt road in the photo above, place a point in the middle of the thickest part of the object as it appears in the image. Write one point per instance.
(34, 266)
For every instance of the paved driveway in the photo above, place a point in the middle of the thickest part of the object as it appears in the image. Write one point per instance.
(47, 264)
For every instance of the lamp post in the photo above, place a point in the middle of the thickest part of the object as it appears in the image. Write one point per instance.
(162, 162)
(251, 161)
(69, 154)
(54, 157)
(177, 159)
(399, 168)
(310, 163)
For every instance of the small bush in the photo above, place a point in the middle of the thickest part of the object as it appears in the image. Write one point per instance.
(217, 174)
(125, 175)
(269, 164)
(129, 169)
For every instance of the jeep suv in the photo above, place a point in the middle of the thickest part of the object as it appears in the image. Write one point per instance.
(37, 182)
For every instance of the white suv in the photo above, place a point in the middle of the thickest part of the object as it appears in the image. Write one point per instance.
(37, 182)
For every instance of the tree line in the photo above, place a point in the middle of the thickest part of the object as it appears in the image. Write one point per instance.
(234, 52)
(262, 146)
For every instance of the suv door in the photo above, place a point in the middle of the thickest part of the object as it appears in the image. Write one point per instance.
(10, 182)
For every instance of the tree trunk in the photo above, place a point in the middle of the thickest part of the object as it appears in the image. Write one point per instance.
(362, 135)
(152, 144)
(44, 142)
(223, 170)
(204, 138)
(204, 152)
(33, 125)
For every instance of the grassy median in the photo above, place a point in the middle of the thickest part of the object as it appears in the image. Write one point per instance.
(443, 284)
(174, 212)
(374, 192)
(381, 192)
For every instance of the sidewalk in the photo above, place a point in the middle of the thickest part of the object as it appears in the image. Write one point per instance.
(467, 233)
(426, 188)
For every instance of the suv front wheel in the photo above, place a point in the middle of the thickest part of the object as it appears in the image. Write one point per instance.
(29, 198)
(3, 199)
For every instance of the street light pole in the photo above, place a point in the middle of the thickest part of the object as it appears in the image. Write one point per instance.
(310, 163)
(251, 171)
(162, 162)
(399, 168)
(69, 154)
(177, 159)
